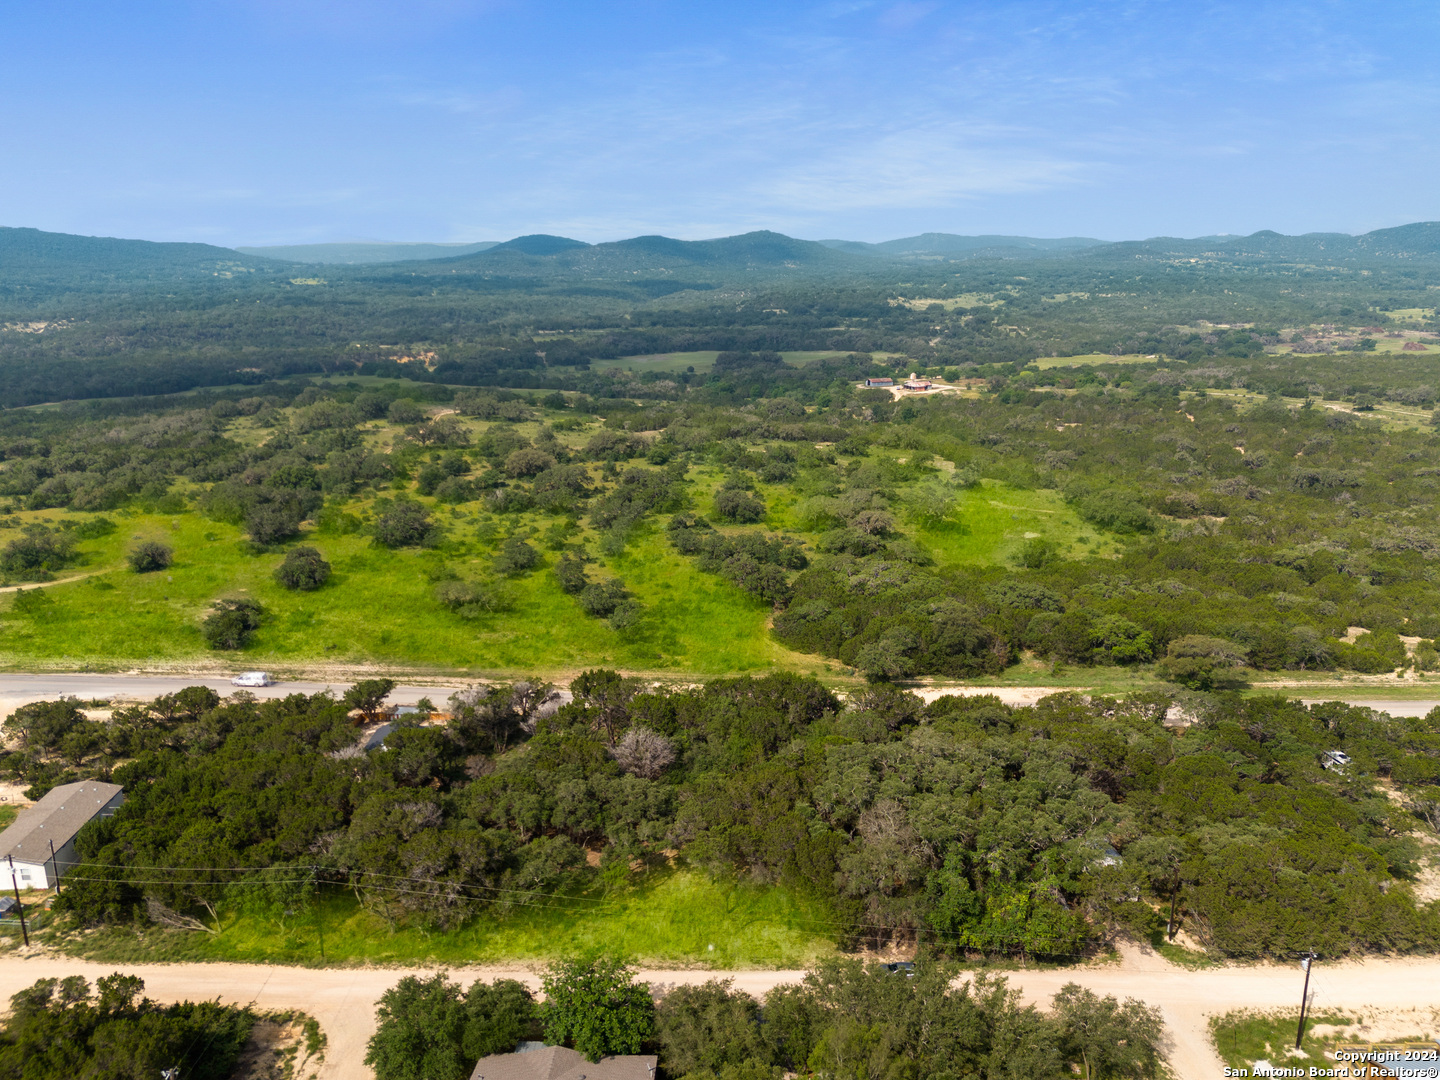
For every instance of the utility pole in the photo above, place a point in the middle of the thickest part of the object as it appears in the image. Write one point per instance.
(1174, 895)
(1304, 997)
(55, 865)
(19, 907)
(319, 918)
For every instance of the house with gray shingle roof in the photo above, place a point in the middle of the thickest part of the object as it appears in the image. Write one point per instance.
(535, 1061)
(53, 822)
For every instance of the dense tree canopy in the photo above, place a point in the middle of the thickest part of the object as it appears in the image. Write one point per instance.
(965, 826)
(58, 1029)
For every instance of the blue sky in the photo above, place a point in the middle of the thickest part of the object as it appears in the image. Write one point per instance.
(292, 121)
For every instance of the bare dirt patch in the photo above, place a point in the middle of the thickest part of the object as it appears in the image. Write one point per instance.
(280, 1048)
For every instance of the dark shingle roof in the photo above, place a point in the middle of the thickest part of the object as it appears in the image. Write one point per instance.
(56, 818)
(560, 1063)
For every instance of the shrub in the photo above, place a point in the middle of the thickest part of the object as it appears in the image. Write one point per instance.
(37, 551)
(644, 753)
(405, 411)
(58, 1028)
(150, 556)
(1037, 552)
(1197, 662)
(304, 569)
(1114, 510)
(516, 557)
(471, 599)
(528, 461)
(405, 524)
(709, 1027)
(274, 523)
(740, 507)
(595, 1005)
(428, 1028)
(570, 571)
(90, 530)
(602, 597)
(231, 622)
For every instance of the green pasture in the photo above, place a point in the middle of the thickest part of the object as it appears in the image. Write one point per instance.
(950, 303)
(701, 361)
(378, 606)
(704, 360)
(994, 520)
(1389, 413)
(1382, 345)
(679, 918)
(1092, 360)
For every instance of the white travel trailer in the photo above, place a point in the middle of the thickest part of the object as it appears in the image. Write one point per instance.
(252, 678)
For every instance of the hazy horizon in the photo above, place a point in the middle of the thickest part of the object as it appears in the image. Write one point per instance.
(269, 124)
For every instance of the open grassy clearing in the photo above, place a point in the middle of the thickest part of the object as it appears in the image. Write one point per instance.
(1392, 415)
(680, 918)
(1092, 360)
(1413, 314)
(995, 520)
(379, 606)
(702, 361)
(950, 303)
(679, 361)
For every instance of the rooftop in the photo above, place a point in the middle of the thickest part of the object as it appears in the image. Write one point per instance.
(560, 1063)
(55, 819)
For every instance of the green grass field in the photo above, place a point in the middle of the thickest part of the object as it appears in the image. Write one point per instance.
(1389, 413)
(379, 605)
(700, 361)
(995, 520)
(682, 918)
(703, 361)
(1092, 360)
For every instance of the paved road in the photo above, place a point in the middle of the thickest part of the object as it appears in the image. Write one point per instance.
(344, 1000)
(18, 689)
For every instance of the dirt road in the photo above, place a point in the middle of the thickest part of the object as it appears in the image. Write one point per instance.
(19, 689)
(344, 1000)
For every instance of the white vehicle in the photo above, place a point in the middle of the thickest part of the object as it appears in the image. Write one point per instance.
(1334, 759)
(252, 678)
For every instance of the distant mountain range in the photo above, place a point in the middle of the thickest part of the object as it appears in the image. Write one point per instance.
(32, 256)
(948, 245)
(365, 252)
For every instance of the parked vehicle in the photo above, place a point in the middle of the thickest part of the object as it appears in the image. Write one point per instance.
(252, 678)
(1335, 759)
